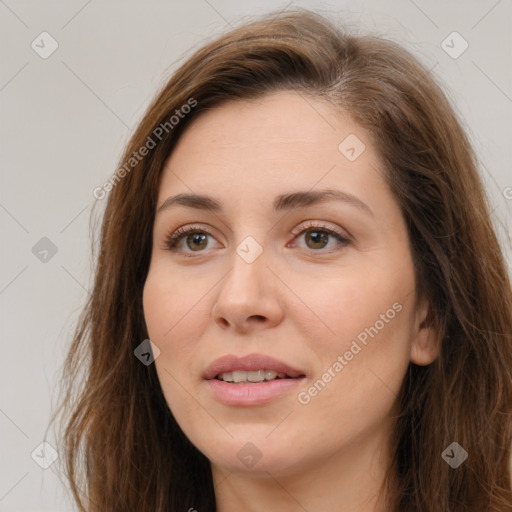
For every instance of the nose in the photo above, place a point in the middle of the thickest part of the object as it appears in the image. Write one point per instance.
(248, 297)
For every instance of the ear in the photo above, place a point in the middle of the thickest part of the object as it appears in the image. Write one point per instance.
(426, 342)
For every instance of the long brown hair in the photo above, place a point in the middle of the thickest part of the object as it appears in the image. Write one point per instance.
(120, 444)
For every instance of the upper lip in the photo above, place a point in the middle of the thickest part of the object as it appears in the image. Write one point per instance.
(251, 362)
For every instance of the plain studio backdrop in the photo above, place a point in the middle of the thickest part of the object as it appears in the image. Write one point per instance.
(76, 77)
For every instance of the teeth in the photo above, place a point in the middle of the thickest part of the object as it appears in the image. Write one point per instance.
(253, 376)
(257, 376)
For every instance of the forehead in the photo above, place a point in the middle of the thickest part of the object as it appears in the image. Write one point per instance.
(284, 141)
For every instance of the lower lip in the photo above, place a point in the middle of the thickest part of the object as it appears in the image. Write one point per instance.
(252, 393)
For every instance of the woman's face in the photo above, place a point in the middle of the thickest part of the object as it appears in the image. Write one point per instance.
(322, 286)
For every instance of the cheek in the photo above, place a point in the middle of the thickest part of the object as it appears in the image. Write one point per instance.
(352, 304)
(171, 312)
(171, 305)
(358, 377)
(360, 341)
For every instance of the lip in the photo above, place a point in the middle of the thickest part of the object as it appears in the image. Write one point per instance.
(251, 362)
(251, 394)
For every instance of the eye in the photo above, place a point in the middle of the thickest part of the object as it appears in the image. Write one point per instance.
(196, 239)
(317, 236)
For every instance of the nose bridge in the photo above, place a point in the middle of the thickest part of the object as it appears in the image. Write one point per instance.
(249, 275)
(248, 290)
(250, 255)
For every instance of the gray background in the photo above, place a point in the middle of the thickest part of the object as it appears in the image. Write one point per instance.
(65, 120)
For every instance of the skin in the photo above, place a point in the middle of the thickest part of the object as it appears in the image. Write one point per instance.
(301, 301)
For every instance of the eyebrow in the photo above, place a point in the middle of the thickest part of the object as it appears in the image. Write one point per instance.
(281, 202)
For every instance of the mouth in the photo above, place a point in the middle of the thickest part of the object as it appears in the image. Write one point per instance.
(250, 368)
(242, 377)
(251, 380)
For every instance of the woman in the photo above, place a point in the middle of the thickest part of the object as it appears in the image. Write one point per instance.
(299, 228)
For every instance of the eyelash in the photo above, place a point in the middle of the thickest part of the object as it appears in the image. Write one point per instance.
(171, 241)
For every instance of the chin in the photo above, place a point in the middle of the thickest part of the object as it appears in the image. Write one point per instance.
(256, 455)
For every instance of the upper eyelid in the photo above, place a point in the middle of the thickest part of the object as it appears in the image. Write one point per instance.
(299, 229)
(320, 224)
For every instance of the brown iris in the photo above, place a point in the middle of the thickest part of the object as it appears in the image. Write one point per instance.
(197, 238)
(317, 237)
